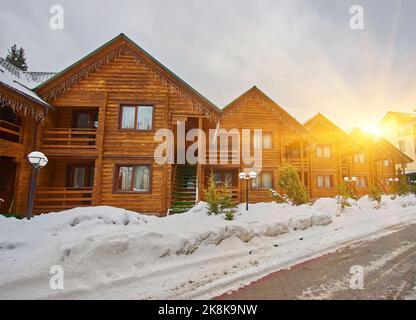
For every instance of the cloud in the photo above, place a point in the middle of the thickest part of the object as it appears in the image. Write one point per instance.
(302, 53)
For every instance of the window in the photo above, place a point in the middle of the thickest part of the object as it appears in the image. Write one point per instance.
(133, 178)
(80, 175)
(386, 163)
(402, 145)
(265, 140)
(263, 180)
(136, 117)
(226, 178)
(323, 152)
(361, 182)
(324, 181)
(359, 158)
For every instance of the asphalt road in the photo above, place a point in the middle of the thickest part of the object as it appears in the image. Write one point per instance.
(383, 268)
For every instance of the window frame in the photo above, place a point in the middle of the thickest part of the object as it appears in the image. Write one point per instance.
(331, 181)
(323, 146)
(262, 141)
(117, 190)
(261, 181)
(358, 158)
(136, 112)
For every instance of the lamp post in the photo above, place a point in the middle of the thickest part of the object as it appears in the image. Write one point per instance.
(247, 177)
(349, 181)
(38, 160)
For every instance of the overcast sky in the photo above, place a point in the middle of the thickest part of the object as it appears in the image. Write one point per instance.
(302, 53)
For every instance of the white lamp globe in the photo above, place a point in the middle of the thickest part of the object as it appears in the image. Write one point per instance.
(37, 159)
(252, 175)
(354, 178)
(346, 179)
(390, 179)
(242, 175)
(396, 179)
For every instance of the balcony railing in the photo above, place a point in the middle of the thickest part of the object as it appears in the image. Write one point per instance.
(10, 131)
(60, 198)
(72, 138)
(297, 163)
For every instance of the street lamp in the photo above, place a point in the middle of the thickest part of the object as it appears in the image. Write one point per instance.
(38, 160)
(247, 177)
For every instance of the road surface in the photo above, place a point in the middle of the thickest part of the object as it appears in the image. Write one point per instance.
(383, 268)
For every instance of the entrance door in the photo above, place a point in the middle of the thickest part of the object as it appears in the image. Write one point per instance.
(7, 177)
(80, 175)
(85, 119)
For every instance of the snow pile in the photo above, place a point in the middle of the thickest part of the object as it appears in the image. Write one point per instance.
(109, 252)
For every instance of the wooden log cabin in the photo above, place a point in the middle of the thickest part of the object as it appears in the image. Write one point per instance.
(99, 137)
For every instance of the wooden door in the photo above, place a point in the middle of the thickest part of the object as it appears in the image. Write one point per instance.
(80, 175)
(84, 119)
(7, 179)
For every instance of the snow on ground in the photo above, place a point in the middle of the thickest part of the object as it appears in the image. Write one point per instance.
(108, 252)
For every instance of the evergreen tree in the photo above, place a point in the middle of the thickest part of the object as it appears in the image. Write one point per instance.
(344, 195)
(17, 57)
(403, 186)
(291, 185)
(219, 200)
(375, 193)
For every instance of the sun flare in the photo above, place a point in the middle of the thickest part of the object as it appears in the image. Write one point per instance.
(372, 129)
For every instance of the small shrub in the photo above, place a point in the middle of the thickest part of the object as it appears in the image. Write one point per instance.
(344, 195)
(375, 193)
(292, 186)
(403, 187)
(219, 200)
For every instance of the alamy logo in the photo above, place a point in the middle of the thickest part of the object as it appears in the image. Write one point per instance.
(357, 277)
(221, 146)
(56, 22)
(56, 282)
(357, 17)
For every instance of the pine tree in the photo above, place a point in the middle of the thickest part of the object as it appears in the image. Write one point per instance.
(403, 186)
(344, 195)
(212, 196)
(17, 57)
(291, 185)
(375, 193)
(219, 200)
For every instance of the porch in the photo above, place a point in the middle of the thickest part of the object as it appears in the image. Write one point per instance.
(64, 184)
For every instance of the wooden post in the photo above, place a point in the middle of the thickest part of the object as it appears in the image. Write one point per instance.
(302, 170)
(99, 142)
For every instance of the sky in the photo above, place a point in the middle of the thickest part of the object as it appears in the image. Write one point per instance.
(302, 53)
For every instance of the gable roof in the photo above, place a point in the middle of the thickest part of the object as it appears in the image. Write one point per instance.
(121, 40)
(400, 116)
(15, 92)
(320, 117)
(367, 139)
(270, 102)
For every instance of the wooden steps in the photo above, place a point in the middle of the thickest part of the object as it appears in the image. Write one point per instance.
(184, 188)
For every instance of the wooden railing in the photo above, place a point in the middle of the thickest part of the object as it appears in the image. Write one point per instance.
(229, 155)
(297, 163)
(72, 138)
(235, 193)
(60, 198)
(10, 131)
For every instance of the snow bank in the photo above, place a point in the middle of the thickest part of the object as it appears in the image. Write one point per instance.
(104, 249)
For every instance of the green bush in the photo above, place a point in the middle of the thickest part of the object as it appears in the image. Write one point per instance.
(343, 195)
(403, 186)
(375, 193)
(219, 200)
(291, 185)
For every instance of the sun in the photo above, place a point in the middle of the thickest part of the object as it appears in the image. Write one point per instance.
(372, 129)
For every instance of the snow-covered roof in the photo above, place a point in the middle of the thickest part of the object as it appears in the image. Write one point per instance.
(22, 81)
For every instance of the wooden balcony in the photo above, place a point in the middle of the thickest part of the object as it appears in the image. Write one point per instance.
(297, 163)
(57, 141)
(60, 198)
(226, 155)
(10, 131)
